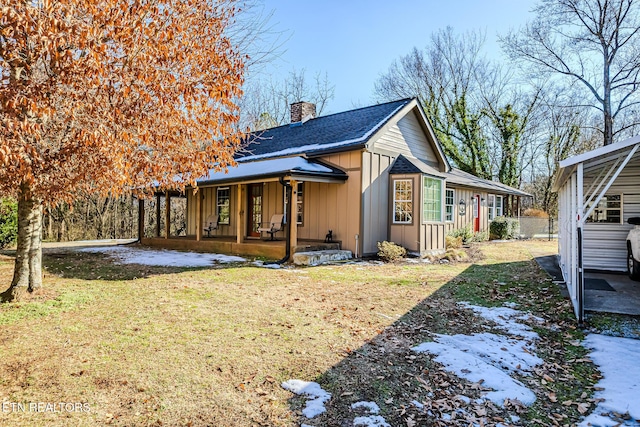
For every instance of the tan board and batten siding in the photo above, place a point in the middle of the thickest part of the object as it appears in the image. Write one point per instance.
(406, 137)
(605, 246)
(326, 206)
(340, 210)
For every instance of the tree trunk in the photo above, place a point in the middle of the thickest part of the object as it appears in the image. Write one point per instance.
(27, 273)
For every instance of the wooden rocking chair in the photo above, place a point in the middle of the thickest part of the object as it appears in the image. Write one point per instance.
(275, 225)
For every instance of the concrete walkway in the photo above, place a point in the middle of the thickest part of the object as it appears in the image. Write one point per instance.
(605, 292)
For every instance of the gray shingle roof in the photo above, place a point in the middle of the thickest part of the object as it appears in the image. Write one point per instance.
(335, 132)
(404, 165)
(456, 176)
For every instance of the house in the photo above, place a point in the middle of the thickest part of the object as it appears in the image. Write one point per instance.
(598, 192)
(363, 176)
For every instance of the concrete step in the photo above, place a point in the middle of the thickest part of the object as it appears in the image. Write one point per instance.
(320, 257)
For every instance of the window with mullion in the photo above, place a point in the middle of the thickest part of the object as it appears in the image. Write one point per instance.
(402, 201)
(432, 199)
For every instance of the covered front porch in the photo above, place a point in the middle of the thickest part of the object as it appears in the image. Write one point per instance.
(231, 212)
(272, 249)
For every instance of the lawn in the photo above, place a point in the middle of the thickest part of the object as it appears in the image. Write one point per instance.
(140, 345)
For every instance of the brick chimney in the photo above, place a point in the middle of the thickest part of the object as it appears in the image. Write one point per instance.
(302, 110)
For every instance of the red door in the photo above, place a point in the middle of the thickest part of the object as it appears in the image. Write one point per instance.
(476, 213)
(254, 217)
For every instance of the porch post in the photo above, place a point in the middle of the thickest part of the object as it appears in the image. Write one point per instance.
(239, 213)
(197, 193)
(140, 219)
(293, 240)
(167, 214)
(158, 215)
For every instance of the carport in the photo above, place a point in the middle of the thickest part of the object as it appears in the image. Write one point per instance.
(598, 192)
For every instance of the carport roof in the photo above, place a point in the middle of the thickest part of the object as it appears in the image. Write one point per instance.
(597, 158)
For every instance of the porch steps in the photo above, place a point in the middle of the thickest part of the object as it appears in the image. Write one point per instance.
(320, 257)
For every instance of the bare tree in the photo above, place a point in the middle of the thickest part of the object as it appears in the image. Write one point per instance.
(594, 43)
(266, 102)
(445, 78)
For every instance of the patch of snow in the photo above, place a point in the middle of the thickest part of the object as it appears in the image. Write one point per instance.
(474, 369)
(464, 398)
(500, 351)
(162, 257)
(417, 404)
(371, 421)
(317, 396)
(507, 319)
(510, 304)
(372, 407)
(621, 386)
(259, 263)
(491, 358)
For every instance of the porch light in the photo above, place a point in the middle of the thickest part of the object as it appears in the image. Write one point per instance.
(483, 201)
(462, 207)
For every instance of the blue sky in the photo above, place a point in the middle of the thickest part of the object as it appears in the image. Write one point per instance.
(356, 41)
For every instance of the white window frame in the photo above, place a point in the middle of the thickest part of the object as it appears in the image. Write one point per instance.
(220, 206)
(424, 200)
(603, 209)
(407, 201)
(491, 206)
(449, 216)
(500, 208)
(299, 207)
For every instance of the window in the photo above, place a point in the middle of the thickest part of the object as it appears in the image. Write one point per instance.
(432, 202)
(402, 201)
(609, 210)
(499, 203)
(448, 205)
(491, 204)
(299, 205)
(223, 198)
(298, 208)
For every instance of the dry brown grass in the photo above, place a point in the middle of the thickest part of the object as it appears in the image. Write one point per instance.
(211, 347)
(207, 347)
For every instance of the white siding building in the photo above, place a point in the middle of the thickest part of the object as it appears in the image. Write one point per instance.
(598, 192)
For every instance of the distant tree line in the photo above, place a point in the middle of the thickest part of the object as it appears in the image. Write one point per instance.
(571, 84)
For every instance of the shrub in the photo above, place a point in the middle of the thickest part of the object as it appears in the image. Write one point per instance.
(8, 222)
(537, 213)
(466, 236)
(504, 228)
(464, 233)
(455, 255)
(480, 236)
(452, 242)
(389, 251)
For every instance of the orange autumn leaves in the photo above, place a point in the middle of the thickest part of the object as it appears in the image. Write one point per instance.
(110, 96)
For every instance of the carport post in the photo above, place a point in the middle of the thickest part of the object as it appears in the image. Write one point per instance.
(580, 223)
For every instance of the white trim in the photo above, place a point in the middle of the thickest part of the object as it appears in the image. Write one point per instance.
(442, 187)
(410, 200)
(218, 205)
(453, 204)
(491, 207)
(599, 152)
